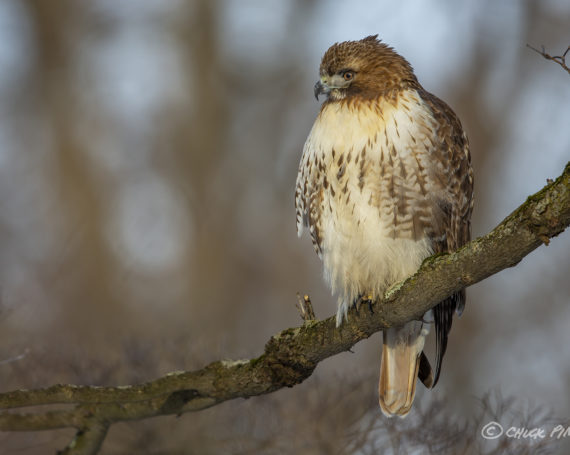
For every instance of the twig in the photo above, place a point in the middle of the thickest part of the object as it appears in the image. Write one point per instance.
(560, 59)
(305, 307)
(88, 440)
(15, 358)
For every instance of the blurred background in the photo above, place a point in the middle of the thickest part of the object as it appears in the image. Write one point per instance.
(148, 155)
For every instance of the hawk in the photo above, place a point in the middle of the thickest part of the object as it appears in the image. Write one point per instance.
(385, 180)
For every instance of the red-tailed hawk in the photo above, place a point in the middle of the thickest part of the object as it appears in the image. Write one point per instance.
(385, 181)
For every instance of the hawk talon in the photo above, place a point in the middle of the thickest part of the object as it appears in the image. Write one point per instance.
(355, 305)
(368, 300)
(361, 300)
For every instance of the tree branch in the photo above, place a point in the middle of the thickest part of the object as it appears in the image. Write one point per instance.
(560, 59)
(292, 355)
(87, 441)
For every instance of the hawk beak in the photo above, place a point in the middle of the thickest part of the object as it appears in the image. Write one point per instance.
(320, 89)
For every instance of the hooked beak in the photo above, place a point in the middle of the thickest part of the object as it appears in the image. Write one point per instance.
(320, 89)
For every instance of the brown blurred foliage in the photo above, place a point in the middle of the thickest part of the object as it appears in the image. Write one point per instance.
(147, 222)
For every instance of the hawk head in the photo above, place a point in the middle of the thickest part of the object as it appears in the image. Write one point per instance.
(367, 69)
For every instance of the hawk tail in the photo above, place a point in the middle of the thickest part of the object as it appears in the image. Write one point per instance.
(402, 359)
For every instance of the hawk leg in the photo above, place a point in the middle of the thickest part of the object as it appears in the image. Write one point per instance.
(363, 299)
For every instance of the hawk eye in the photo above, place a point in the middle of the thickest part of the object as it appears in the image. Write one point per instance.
(348, 75)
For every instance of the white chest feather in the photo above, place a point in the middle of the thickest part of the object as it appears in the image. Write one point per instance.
(366, 188)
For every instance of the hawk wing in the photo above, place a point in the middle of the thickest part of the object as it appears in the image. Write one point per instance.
(453, 228)
(309, 196)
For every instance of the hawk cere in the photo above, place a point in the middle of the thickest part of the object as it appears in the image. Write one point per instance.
(385, 181)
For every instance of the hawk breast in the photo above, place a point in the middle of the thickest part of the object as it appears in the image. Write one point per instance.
(372, 190)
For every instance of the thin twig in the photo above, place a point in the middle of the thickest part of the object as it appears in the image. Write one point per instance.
(560, 59)
(88, 440)
(16, 357)
(305, 307)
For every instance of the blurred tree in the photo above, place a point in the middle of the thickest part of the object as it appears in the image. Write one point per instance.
(148, 152)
